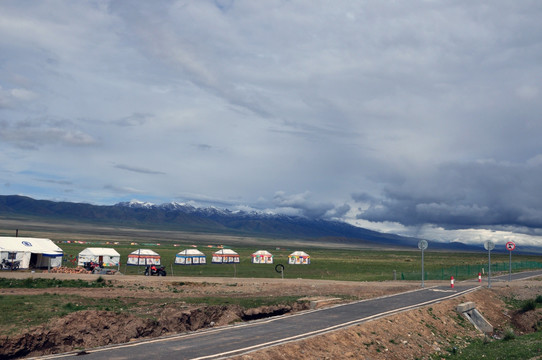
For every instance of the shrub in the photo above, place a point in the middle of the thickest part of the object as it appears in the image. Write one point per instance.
(509, 335)
(528, 305)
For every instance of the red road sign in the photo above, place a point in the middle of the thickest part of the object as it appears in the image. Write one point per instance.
(510, 245)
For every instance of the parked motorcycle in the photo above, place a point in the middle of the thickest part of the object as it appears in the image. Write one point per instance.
(91, 266)
(10, 264)
(152, 270)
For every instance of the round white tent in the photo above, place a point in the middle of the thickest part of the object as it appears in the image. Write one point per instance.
(262, 257)
(105, 256)
(143, 257)
(190, 257)
(225, 256)
(299, 258)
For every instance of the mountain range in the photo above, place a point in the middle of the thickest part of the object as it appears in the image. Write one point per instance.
(184, 217)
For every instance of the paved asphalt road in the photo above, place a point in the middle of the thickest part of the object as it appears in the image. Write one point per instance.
(233, 340)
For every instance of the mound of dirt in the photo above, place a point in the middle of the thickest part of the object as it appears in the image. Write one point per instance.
(527, 322)
(91, 328)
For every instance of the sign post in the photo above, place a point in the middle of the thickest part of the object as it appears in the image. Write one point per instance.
(280, 269)
(422, 245)
(510, 246)
(489, 245)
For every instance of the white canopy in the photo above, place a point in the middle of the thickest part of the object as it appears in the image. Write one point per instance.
(299, 253)
(27, 252)
(143, 257)
(226, 252)
(107, 256)
(190, 257)
(190, 252)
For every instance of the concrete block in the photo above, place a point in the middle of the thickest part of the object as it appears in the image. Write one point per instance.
(464, 307)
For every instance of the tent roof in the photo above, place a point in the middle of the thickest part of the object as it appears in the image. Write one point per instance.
(191, 252)
(33, 245)
(144, 252)
(99, 251)
(226, 252)
(262, 252)
(299, 253)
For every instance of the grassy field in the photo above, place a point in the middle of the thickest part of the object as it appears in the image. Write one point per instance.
(328, 261)
(329, 264)
(510, 348)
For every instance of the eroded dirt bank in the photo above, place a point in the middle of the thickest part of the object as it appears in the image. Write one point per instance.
(91, 328)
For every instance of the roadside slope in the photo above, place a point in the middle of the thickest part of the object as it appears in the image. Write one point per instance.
(415, 334)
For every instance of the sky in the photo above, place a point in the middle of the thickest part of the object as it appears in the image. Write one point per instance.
(421, 118)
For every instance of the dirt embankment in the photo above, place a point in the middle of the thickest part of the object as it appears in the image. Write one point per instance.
(91, 328)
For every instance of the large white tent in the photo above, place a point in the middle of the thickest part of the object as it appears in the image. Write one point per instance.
(29, 253)
(190, 257)
(143, 257)
(299, 258)
(105, 256)
(225, 256)
(262, 257)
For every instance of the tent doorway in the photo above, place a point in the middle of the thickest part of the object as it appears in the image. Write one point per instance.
(33, 261)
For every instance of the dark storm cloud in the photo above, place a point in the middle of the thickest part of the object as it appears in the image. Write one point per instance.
(304, 206)
(462, 195)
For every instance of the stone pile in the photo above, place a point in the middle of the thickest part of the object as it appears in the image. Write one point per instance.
(68, 270)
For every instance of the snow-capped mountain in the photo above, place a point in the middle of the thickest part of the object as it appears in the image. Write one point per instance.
(191, 209)
(186, 217)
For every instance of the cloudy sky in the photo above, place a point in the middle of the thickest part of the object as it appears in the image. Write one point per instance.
(416, 117)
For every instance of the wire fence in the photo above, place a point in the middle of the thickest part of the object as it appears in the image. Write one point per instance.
(469, 271)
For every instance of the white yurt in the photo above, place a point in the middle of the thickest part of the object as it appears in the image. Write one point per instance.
(190, 257)
(25, 253)
(225, 256)
(299, 258)
(105, 256)
(143, 257)
(262, 257)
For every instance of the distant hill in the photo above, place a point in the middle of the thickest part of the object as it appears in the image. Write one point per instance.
(184, 217)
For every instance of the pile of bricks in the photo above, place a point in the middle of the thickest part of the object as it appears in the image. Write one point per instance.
(67, 270)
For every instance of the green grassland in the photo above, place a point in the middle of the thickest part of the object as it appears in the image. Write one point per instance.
(510, 348)
(327, 264)
(332, 261)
